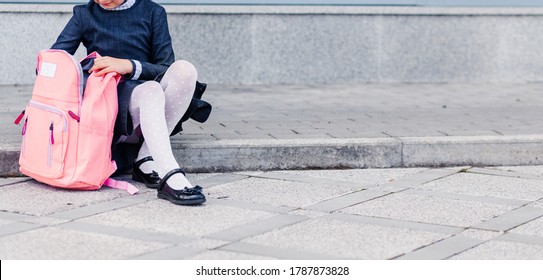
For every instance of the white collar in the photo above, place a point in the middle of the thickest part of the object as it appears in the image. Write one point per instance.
(126, 5)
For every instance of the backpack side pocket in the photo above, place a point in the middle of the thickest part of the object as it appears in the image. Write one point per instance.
(45, 133)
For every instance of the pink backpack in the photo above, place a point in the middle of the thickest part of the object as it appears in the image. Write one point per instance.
(67, 127)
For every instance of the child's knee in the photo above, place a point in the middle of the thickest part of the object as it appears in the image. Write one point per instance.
(151, 87)
(148, 92)
(185, 69)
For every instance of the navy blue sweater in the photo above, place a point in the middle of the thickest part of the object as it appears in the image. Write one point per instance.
(139, 33)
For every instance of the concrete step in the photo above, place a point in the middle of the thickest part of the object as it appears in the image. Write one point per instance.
(283, 154)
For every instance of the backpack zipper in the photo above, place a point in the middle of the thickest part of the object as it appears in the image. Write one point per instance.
(19, 118)
(50, 146)
(52, 136)
(23, 132)
(51, 109)
(81, 81)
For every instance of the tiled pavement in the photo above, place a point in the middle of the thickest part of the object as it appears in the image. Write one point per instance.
(410, 213)
(370, 111)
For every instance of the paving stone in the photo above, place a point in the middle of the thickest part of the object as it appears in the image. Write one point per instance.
(534, 169)
(449, 230)
(436, 210)
(196, 178)
(248, 205)
(355, 134)
(522, 238)
(278, 175)
(307, 213)
(502, 250)
(534, 227)
(257, 227)
(48, 221)
(346, 200)
(344, 239)
(452, 132)
(486, 185)
(170, 253)
(249, 173)
(9, 181)
(225, 255)
(34, 198)
(362, 177)
(322, 135)
(537, 204)
(163, 216)
(416, 179)
(5, 222)
(55, 243)
(402, 132)
(14, 216)
(479, 234)
(206, 243)
(511, 219)
(219, 179)
(275, 252)
(459, 168)
(142, 235)
(442, 249)
(233, 135)
(128, 233)
(503, 173)
(17, 227)
(466, 197)
(103, 207)
(277, 192)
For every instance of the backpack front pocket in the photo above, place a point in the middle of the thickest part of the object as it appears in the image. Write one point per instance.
(45, 134)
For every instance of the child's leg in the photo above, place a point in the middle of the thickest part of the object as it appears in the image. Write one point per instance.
(147, 104)
(176, 90)
(178, 83)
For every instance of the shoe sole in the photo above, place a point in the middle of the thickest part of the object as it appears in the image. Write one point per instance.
(182, 202)
(150, 186)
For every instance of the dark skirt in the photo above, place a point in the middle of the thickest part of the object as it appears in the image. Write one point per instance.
(123, 123)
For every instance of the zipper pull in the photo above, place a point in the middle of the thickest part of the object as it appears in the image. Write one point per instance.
(52, 137)
(74, 116)
(19, 118)
(23, 132)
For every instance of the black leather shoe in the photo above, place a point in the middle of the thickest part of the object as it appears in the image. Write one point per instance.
(151, 180)
(186, 196)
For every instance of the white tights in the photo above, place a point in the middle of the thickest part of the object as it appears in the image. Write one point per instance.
(158, 107)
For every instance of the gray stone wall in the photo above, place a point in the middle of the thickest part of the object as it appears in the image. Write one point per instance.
(317, 44)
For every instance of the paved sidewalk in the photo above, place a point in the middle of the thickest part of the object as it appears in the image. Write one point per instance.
(417, 213)
(372, 111)
(344, 126)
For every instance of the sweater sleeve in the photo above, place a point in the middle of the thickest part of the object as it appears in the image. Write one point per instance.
(161, 49)
(70, 38)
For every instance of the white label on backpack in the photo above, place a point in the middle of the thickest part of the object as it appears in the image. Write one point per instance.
(48, 69)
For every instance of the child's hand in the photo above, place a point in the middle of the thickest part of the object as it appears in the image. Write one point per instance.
(106, 64)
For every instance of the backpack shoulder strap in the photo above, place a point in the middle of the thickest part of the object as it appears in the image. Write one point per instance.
(121, 185)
